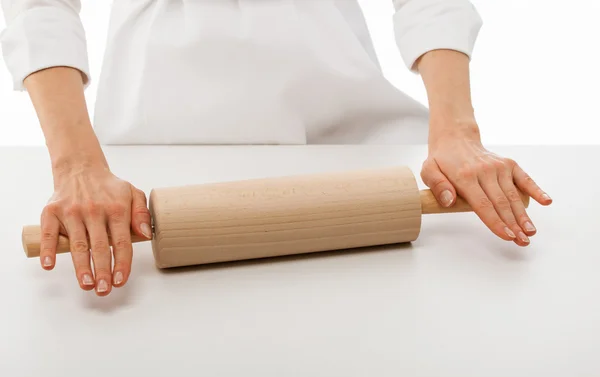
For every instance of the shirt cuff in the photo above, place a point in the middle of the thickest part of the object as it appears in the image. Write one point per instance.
(424, 25)
(42, 38)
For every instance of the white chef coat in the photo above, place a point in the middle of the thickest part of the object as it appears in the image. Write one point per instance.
(240, 71)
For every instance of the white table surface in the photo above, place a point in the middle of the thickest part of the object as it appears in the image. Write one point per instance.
(457, 302)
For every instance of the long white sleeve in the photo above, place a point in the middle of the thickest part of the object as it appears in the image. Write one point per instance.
(41, 34)
(426, 25)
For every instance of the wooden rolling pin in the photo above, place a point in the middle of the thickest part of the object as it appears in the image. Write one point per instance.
(257, 218)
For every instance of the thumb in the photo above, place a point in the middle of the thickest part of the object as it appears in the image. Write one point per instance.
(140, 215)
(441, 187)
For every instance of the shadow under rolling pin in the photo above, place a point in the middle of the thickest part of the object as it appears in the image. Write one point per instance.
(268, 217)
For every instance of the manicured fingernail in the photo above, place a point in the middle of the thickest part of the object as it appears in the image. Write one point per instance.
(146, 231)
(523, 237)
(446, 197)
(47, 261)
(102, 286)
(87, 280)
(510, 233)
(529, 227)
(546, 197)
(118, 277)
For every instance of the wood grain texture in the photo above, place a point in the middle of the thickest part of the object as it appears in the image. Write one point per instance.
(259, 218)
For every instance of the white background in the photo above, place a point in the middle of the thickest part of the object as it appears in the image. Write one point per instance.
(535, 71)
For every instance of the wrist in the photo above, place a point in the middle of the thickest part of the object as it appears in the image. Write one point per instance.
(441, 130)
(76, 162)
(73, 145)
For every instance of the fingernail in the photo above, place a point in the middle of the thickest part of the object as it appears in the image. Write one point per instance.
(510, 233)
(529, 227)
(87, 280)
(146, 231)
(446, 197)
(102, 286)
(546, 197)
(523, 237)
(47, 261)
(118, 277)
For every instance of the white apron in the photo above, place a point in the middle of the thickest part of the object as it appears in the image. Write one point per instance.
(247, 72)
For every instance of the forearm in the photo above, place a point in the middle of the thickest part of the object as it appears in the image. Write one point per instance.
(57, 95)
(445, 74)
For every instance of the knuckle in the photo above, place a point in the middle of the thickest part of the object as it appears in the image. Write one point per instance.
(529, 180)
(121, 243)
(513, 196)
(484, 203)
(502, 202)
(46, 250)
(512, 223)
(102, 272)
(499, 165)
(509, 162)
(122, 266)
(486, 167)
(100, 246)
(466, 174)
(426, 176)
(116, 211)
(436, 181)
(73, 210)
(140, 210)
(523, 217)
(92, 208)
(499, 225)
(51, 208)
(426, 166)
(48, 236)
(79, 246)
(496, 165)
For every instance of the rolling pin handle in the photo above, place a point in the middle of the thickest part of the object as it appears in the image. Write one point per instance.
(32, 235)
(430, 205)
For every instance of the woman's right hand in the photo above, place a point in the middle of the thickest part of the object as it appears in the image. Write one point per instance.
(89, 204)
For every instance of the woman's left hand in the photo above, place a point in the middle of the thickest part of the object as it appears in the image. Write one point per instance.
(457, 163)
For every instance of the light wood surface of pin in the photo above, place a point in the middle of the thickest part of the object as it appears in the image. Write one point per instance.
(284, 215)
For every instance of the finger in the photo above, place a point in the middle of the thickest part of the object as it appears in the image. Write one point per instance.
(490, 185)
(50, 226)
(140, 215)
(529, 187)
(485, 210)
(439, 184)
(516, 203)
(101, 255)
(119, 227)
(80, 251)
